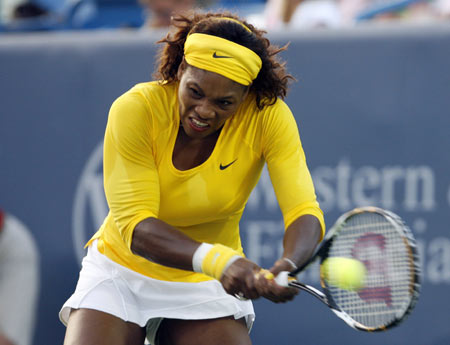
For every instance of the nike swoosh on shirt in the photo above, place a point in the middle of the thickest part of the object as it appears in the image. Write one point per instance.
(215, 56)
(223, 167)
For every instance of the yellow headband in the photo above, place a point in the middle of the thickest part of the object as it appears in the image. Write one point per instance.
(218, 55)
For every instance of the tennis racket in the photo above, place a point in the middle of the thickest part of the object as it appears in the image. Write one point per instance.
(384, 244)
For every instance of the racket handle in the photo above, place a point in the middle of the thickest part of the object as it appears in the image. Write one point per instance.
(282, 278)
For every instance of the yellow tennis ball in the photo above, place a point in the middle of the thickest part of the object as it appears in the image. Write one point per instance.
(344, 273)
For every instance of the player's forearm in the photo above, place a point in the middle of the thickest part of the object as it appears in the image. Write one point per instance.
(161, 243)
(301, 239)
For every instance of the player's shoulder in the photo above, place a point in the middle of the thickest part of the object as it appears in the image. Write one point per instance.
(154, 99)
(252, 116)
(153, 91)
(270, 114)
(252, 123)
(277, 119)
(278, 108)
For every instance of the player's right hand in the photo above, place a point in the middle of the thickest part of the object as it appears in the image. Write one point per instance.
(241, 279)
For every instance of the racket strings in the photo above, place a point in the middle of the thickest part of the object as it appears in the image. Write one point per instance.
(375, 241)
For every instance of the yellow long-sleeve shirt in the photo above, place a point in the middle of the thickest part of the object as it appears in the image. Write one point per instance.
(205, 202)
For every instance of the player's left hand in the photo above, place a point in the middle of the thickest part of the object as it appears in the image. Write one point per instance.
(267, 286)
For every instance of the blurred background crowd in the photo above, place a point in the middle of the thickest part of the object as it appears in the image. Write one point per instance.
(39, 15)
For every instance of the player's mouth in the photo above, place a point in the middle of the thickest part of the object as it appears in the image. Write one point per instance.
(198, 125)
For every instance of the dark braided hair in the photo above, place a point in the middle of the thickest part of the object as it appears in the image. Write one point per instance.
(272, 80)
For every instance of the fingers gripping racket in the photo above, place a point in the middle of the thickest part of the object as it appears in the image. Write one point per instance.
(381, 241)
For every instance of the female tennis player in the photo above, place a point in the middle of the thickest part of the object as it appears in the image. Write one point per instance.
(181, 157)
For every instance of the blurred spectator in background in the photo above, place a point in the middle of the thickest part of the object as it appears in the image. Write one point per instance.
(20, 9)
(28, 10)
(27, 15)
(282, 14)
(159, 12)
(19, 282)
(287, 14)
(7, 9)
(410, 11)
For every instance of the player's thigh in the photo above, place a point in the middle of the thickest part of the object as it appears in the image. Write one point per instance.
(203, 332)
(89, 327)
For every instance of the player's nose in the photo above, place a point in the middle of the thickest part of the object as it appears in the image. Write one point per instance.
(205, 110)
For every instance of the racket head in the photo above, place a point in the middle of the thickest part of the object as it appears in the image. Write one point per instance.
(385, 245)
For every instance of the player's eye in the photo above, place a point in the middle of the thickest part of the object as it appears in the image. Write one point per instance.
(195, 93)
(224, 103)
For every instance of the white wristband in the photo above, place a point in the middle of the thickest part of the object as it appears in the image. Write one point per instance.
(233, 259)
(199, 255)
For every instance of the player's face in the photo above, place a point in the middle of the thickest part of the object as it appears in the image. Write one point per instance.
(207, 100)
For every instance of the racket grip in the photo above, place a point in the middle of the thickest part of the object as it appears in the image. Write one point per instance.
(282, 278)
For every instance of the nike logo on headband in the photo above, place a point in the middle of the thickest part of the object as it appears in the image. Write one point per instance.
(215, 56)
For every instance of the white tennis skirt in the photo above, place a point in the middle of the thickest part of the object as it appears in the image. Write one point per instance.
(111, 288)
